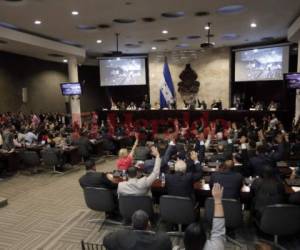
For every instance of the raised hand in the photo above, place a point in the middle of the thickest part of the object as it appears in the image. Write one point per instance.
(217, 192)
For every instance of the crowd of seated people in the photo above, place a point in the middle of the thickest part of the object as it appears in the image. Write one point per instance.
(240, 104)
(141, 236)
(51, 132)
(178, 153)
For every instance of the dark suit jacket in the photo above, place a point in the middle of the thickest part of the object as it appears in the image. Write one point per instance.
(200, 149)
(85, 146)
(137, 240)
(149, 164)
(256, 164)
(141, 153)
(266, 192)
(96, 179)
(231, 181)
(180, 184)
(295, 198)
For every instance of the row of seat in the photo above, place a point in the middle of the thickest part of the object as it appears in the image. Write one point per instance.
(277, 220)
(31, 159)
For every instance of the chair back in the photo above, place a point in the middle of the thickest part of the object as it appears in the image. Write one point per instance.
(232, 212)
(128, 204)
(281, 219)
(31, 158)
(91, 246)
(99, 199)
(49, 158)
(178, 210)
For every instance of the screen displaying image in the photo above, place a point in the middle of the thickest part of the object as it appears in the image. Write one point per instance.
(261, 64)
(292, 80)
(122, 71)
(70, 88)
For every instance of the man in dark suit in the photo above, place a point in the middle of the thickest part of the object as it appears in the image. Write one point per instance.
(139, 238)
(263, 158)
(229, 179)
(142, 151)
(84, 145)
(149, 163)
(181, 183)
(92, 178)
(220, 156)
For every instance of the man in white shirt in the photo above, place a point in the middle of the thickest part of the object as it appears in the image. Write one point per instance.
(140, 186)
(30, 137)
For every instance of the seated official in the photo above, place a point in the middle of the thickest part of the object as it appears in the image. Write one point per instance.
(195, 236)
(8, 139)
(140, 186)
(30, 137)
(181, 183)
(220, 156)
(142, 151)
(264, 158)
(139, 238)
(125, 159)
(149, 163)
(231, 181)
(92, 178)
(266, 191)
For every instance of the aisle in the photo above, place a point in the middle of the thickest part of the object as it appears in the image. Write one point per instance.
(45, 212)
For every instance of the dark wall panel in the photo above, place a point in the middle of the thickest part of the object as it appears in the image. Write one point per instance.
(41, 78)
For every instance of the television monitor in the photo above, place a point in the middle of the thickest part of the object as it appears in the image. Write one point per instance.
(292, 80)
(70, 88)
(122, 71)
(261, 64)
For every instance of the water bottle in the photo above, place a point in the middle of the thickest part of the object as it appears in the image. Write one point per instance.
(163, 180)
(218, 165)
(124, 175)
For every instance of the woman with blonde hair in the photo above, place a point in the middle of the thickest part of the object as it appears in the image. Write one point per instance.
(125, 159)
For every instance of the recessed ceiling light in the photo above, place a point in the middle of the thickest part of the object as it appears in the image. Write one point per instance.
(253, 25)
(37, 22)
(65, 60)
(99, 41)
(153, 48)
(75, 13)
(165, 32)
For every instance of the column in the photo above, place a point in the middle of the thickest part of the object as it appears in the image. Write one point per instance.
(74, 100)
(297, 104)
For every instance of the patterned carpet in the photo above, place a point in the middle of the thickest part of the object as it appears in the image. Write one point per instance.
(46, 211)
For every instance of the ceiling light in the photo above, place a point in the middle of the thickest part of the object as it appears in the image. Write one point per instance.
(165, 32)
(253, 25)
(75, 13)
(153, 48)
(65, 60)
(37, 22)
(99, 41)
(206, 27)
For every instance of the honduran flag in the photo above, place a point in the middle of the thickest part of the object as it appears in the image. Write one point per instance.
(167, 92)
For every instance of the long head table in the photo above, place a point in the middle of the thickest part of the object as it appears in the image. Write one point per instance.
(191, 115)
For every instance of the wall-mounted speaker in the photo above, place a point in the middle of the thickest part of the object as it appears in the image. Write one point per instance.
(24, 95)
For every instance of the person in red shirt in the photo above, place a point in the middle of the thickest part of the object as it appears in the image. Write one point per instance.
(125, 159)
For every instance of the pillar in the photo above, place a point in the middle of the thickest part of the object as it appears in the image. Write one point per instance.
(74, 100)
(297, 104)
